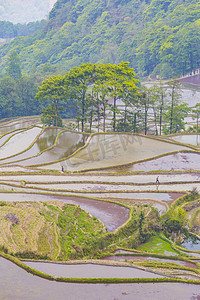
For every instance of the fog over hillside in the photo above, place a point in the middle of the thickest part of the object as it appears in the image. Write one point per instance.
(23, 11)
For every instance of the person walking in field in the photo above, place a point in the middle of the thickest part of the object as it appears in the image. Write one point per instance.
(157, 180)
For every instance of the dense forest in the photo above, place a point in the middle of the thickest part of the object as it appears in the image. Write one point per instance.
(157, 37)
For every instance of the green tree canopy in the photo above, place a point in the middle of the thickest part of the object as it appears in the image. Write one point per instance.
(13, 69)
(53, 92)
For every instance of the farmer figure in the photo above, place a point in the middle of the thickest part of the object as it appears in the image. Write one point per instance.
(62, 169)
(157, 180)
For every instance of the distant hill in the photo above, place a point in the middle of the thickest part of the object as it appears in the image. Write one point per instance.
(24, 11)
(8, 30)
(159, 37)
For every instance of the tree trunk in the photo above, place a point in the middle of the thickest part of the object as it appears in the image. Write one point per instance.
(104, 116)
(83, 111)
(114, 113)
(91, 116)
(135, 120)
(125, 117)
(145, 119)
(56, 112)
(161, 111)
(155, 120)
(172, 110)
(98, 112)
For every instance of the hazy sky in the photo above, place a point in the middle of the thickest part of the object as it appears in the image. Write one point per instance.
(23, 11)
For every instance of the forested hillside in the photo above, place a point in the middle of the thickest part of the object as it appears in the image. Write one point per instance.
(159, 37)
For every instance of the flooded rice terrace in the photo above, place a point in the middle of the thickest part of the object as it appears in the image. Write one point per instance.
(192, 139)
(149, 258)
(173, 162)
(109, 189)
(19, 142)
(90, 271)
(20, 285)
(105, 150)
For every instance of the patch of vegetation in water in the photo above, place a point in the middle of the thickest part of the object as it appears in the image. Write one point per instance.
(159, 246)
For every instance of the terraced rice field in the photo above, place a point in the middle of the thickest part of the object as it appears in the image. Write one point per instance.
(108, 181)
(190, 139)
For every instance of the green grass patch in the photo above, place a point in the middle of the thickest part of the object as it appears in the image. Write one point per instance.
(159, 246)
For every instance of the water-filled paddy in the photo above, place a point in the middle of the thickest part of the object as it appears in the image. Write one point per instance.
(166, 197)
(67, 143)
(177, 162)
(4, 138)
(130, 178)
(149, 258)
(18, 124)
(115, 149)
(87, 187)
(192, 139)
(19, 285)
(92, 188)
(19, 142)
(111, 214)
(192, 244)
(44, 141)
(90, 271)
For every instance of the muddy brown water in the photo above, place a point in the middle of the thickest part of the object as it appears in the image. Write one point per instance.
(150, 258)
(17, 284)
(111, 214)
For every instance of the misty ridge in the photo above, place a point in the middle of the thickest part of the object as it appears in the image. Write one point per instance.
(24, 11)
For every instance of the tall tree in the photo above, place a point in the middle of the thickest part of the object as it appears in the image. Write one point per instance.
(102, 91)
(180, 111)
(174, 98)
(78, 80)
(196, 112)
(118, 78)
(144, 101)
(53, 90)
(157, 95)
